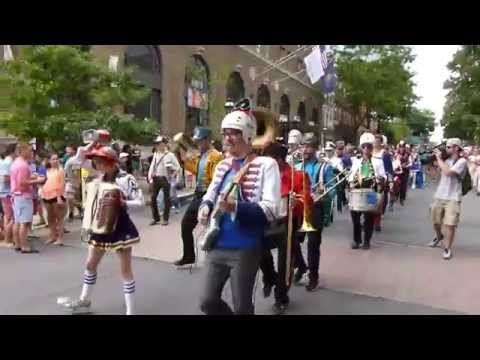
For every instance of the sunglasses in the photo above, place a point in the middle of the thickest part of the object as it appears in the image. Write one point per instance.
(367, 146)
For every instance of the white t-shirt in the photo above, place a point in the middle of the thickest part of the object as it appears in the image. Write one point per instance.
(450, 187)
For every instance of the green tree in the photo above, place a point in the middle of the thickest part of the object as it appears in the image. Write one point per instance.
(374, 82)
(462, 108)
(57, 91)
(420, 121)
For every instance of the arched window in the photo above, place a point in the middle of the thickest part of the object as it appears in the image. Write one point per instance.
(284, 117)
(314, 119)
(197, 77)
(263, 96)
(301, 113)
(146, 61)
(235, 87)
(284, 108)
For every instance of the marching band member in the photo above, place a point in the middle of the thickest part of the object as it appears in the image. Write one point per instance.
(272, 278)
(124, 235)
(312, 168)
(326, 176)
(367, 172)
(163, 163)
(380, 153)
(202, 165)
(294, 140)
(245, 193)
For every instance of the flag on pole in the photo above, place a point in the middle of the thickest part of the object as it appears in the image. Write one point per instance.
(313, 64)
(323, 56)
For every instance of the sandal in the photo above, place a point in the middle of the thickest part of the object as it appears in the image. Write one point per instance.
(51, 241)
(17, 249)
(30, 251)
(58, 243)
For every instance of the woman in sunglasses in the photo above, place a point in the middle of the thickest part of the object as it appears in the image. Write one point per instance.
(367, 173)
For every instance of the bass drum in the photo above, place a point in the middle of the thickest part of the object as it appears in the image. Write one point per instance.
(365, 200)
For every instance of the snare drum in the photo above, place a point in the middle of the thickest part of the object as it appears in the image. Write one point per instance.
(365, 200)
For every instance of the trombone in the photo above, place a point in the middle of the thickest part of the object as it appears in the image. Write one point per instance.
(306, 225)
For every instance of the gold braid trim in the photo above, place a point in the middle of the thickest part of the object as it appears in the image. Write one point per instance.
(115, 246)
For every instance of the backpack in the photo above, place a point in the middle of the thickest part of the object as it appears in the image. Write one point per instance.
(466, 181)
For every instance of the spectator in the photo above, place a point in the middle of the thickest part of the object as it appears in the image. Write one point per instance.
(5, 195)
(22, 181)
(53, 194)
(70, 151)
(38, 207)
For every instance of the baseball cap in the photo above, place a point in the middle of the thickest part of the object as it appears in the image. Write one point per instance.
(454, 141)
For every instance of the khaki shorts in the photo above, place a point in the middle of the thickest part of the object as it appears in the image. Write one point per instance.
(446, 212)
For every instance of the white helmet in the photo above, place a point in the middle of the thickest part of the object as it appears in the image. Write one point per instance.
(367, 138)
(241, 120)
(330, 146)
(294, 137)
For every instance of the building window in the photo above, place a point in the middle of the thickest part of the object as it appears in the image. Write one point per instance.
(235, 87)
(146, 63)
(197, 77)
(263, 96)
(301, 112)
(314, 120)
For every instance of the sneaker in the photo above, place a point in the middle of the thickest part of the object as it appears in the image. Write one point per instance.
(78, 305)
(447, 254)
(154, 223)
(183, 262)
(366, 246)
(378, 228)
(312, 284)
(355, 245)
(164, 222)
(267, 290)
(435, 242)
(298, 276)
(279, 309)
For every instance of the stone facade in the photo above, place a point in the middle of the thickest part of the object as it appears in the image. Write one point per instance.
(250, 61)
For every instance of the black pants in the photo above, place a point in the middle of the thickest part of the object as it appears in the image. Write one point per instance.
(161, 183)
(189, 222)
(341, 197)
(367, 226)
(404, 184)
(314, 242)
(240, 266)
(270, 276)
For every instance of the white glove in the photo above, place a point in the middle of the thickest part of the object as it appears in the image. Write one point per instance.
(203, 213)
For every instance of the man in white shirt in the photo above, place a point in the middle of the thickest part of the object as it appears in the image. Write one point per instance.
(163, 162)
(448, 197)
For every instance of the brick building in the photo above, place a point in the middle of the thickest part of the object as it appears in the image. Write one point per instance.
(190, 84)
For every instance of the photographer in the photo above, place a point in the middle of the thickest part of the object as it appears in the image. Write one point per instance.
(448, 197)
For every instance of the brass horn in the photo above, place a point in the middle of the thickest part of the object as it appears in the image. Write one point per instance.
(307, 225)
(185, 143)
(266, 121)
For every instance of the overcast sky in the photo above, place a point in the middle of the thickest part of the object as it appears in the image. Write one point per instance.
(431, 73)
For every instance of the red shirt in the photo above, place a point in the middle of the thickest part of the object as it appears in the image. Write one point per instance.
(286, 183)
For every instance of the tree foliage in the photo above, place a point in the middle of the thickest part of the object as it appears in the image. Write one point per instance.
(57, 91)
(374, 82)
(420, 121)
(462, 108)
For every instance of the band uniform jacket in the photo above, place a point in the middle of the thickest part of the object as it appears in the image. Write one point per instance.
(213, 158)
(260, 186)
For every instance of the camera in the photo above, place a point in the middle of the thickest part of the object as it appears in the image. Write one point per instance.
(99, 136)
(428, 157)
